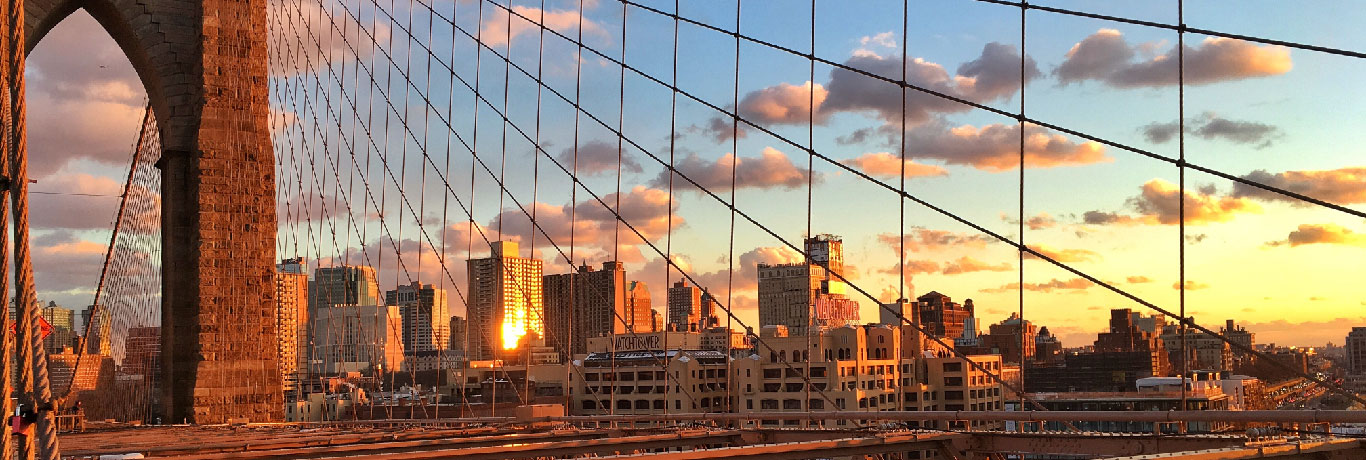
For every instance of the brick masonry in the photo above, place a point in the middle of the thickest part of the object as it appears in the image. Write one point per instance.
(203, 63)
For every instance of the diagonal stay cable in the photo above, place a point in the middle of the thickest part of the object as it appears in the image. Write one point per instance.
(1181, 27)
(976, 105)
(975, 226)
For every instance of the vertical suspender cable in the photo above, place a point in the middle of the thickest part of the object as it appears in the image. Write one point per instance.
(1181, 172)
(7, 338)
(1024, 6)
(35, 392)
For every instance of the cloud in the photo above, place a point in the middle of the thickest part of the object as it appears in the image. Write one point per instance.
(924, 239)
(1191, 285)
(784, 103)
(496, 31)
(84, 99)
(598, 157)
(885, 39)
(720, 129)
(310, 37)
(993, 75)
(1212, 127)
(912, 268)
(1159, 200)
(75, 212)
(1340, 186)
(773, 169)
(1138, 279)
(1038, 222)
(996, 147)
(1064, 255)
(885, 165)
(1307, 333)
(1107, 57)
(63, 262)
(1158, 203)
(1321, 234)
(1074, 284)
(593, 226)
(967, 264)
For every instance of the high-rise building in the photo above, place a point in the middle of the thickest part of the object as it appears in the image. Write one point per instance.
(504, 301)
(583, 304)
(1203, 351)
(689, 307)
(59, 317)
(291, 320)
(142, 354)
(801, 295)
(457, 328)
(1239, 335)
(343, 285)
(901, 306)
(1356, 351)
(357, 338)
(426, 316)
(1005, 339)
(941, 316)
(63, 321)
(639, 312)
(97, 333)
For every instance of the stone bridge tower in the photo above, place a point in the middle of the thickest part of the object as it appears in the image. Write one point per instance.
(203, 64)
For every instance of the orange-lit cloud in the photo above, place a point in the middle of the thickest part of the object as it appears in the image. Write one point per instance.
(1107, 57)
(1191, 285)
(924, 239)
(1064, 255)
(967, 264)
(1322, 234)
(496, 31)
(309, 37)
(912, 268)
(885, 165)
(784, 103)
(993, 75)
(1138, 279)
(1340, 186)
(1074, 284)
(996, 147)
(1158, 202)
(1040, 221)
(773, 169)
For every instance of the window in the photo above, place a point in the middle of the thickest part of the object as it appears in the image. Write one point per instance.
(642, 404)
(768, 404)
(816, 404)
(953, 367)
(749, 404)
(772, 387)
(658, 404)
(623, 404)
(818, 372)
(910, 397)
(591, 377)
(773, 373)
(956, 395)
(792, 404)
(953, 381)
(793, 387)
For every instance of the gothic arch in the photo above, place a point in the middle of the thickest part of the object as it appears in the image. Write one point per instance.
(203, 65)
